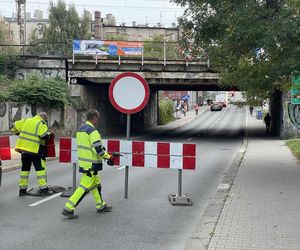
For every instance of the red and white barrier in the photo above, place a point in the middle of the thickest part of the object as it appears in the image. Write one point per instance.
(146, 154)
(7, 143)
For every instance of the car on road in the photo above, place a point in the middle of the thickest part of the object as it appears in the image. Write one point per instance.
(215, 105)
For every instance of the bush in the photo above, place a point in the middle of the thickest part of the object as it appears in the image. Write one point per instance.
(36, 90)
(166, 111)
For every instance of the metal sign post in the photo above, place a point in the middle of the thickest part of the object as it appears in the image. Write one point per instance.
(128, 93)
(127, 167)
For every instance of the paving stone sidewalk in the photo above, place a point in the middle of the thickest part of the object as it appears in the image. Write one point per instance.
(262, 210)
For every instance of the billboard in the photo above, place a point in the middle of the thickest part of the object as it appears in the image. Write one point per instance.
(107, 48)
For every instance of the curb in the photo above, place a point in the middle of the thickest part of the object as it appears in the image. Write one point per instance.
(204, 231)
(18, 166)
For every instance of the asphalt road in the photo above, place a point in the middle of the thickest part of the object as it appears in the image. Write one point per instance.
(146, 220)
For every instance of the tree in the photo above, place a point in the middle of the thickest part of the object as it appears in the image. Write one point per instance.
(8, 62)
(4, 33)
(64, 26)
(37, 90)
(4, 84)
(154, 48)
(253, 44)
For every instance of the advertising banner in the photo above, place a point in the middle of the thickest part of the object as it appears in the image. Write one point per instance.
(108, 48)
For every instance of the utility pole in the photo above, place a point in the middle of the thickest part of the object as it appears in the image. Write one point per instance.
(21, 13)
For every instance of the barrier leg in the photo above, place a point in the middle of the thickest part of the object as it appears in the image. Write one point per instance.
(0, 172)
(68, 192)
(126, 182)
(179, 199)
(179, 182)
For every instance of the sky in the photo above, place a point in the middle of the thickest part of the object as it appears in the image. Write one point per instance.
(141, 11)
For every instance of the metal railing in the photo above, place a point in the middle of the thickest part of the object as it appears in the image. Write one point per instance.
(152, 50)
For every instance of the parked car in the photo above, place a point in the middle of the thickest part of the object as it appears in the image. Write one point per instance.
(215, 105)
(224, 104)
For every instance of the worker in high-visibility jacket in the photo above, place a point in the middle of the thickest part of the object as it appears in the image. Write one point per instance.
(31, 143)
(91, 153)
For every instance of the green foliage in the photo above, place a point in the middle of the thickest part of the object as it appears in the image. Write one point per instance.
(8, 62)
(36, 90)
(116, 37)
(4, 84)
(65, 25)
(231, 32)
(155, 48)
(294, 146)
(4, 33)
(166, 111)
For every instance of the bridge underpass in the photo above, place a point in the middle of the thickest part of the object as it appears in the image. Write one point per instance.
(89, 80)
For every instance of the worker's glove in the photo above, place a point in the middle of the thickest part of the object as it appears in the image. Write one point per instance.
(110, 162)
(52, 134)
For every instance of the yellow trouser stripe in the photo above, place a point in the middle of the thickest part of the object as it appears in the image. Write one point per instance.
(86, 184)
(23, 180)
(42, 178)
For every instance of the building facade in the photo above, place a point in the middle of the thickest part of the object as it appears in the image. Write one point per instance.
(101, 28)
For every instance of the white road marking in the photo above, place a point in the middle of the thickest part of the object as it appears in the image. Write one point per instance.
(45, 200)
(189, 139)
(217, 120)
(121, 167)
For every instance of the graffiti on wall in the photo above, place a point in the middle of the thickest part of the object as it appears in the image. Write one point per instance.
(52, 73)
(11, 112)
(294, 113)
(2, 109)
(44, 72)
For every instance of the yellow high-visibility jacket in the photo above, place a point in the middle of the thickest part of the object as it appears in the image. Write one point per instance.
(32, 132)
(90, 149)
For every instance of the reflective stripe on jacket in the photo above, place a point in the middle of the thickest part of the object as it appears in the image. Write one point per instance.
(89, 146)
(31, 131)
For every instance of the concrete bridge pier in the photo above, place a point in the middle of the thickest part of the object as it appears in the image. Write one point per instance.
(85, 97)
(285, 115)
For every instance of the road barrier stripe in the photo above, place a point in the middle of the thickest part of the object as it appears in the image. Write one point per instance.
(146, 154)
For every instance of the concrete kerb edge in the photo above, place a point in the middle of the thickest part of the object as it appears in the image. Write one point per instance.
(206, 227)
(18, 166)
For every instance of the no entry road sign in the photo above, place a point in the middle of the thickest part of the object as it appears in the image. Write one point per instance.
(129, 93)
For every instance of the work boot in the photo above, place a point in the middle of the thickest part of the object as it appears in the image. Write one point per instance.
(69, 215)
(44, 192)
(104, 208)
(22, 192)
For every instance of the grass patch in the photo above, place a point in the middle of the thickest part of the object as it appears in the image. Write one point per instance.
(294, 145)
(166, 112)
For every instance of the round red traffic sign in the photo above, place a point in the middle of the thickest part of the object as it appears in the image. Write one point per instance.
(129, 93)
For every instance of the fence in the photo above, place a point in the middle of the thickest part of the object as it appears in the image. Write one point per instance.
(152, 50)
(142, 154)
